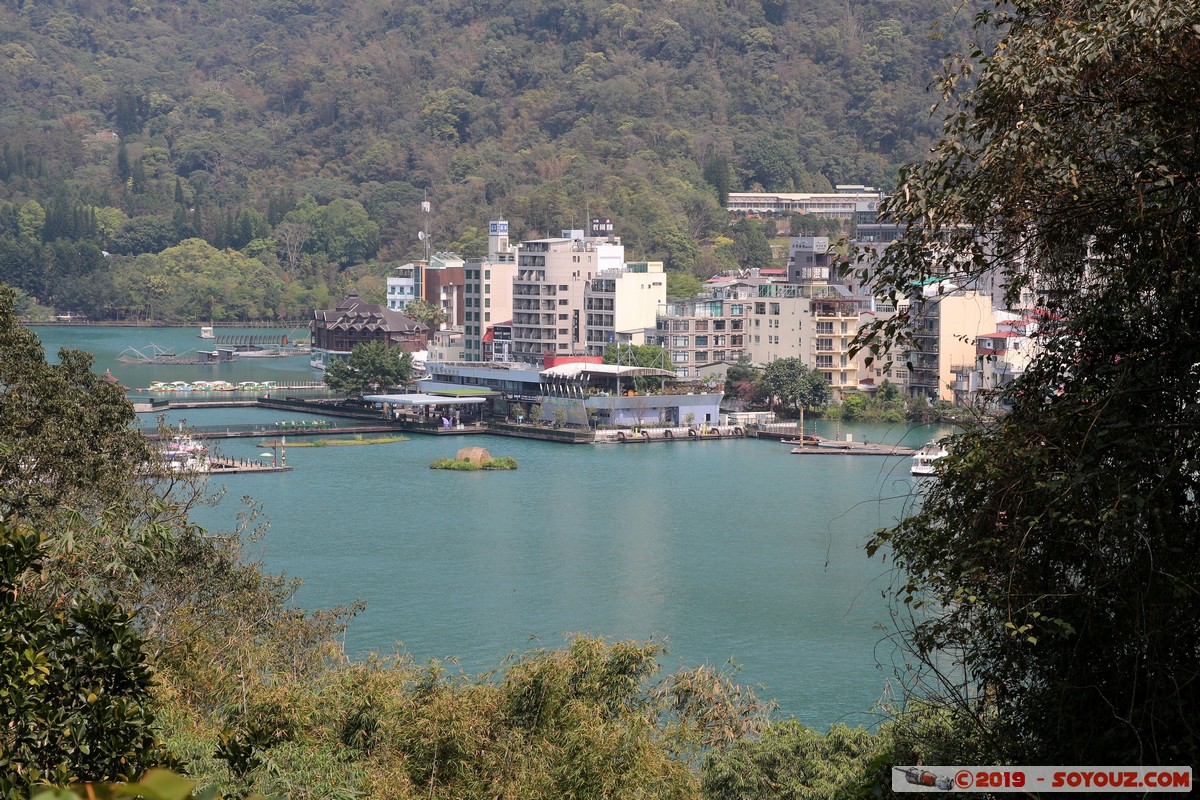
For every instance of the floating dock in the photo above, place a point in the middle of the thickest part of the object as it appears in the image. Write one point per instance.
(232, 466)
(850, 448)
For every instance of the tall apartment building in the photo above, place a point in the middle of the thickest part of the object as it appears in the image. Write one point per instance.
(488, 291)
(622, 303)
(813, 323)
(810, 260)
(550, 287)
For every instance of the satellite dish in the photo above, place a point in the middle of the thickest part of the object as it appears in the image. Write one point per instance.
(421, 235)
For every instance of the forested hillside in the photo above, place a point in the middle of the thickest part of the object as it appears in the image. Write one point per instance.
(297, 138)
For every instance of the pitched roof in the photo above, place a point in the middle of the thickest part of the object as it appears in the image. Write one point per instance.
(355, 314)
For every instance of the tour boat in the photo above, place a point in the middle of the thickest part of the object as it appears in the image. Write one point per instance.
(924, 461)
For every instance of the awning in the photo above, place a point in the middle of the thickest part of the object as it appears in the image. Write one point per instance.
(576, 368)
(422, 400)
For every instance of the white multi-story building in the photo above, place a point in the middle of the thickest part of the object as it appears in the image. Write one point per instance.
(845, 202)
(402, 286)
(622, 303)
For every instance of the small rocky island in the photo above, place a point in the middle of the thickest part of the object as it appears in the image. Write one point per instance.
(472, 459)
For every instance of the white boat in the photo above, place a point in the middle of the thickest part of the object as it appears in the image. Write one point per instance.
(924, 461)
(206, 332)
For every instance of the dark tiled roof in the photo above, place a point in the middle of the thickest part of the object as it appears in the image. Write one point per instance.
(354, 314)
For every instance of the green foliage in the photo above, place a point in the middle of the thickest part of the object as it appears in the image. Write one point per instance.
(680, 285)
(1048, 568)
(743, 371)
(750, 248)
(156, 784)
(790, 382)
(46, 411)
(74, 683)
(790, 762)
(371, 366)
(531, 110)
(426, 313)
(465, 465)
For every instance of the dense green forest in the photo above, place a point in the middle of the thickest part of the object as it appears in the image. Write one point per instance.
(248, 158)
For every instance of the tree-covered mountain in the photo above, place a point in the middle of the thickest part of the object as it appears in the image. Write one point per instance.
(130, 127)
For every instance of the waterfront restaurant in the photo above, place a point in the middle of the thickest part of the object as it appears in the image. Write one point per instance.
(586, 391)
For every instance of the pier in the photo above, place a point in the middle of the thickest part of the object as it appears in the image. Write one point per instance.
(850, 448)
(233, 466)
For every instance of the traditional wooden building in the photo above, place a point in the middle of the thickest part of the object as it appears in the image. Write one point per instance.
(336, 331)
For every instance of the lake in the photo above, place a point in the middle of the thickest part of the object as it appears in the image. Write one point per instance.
(730, 552)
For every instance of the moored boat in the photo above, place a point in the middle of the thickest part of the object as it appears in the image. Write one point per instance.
(924, 461)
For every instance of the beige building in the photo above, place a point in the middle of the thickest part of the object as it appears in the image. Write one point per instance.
(488, 290)
(622, 303)
(946, 323)
(549, 291)
(815, 324)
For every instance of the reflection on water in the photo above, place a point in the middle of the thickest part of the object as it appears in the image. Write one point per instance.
(727, 550)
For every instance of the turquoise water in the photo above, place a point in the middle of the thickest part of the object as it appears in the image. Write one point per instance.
(729, 551)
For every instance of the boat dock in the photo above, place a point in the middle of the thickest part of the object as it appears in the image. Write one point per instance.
(849, 448)
(233, 466)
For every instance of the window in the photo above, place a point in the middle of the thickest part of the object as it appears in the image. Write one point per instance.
(680, 358)
(825, 327)
(487, 302)
(701, 341)
(760, 308)
(719, 355)
(824, 344)
(487, 316)
(718, 341)
(775, 308)
(563, 302)
(735, 310)
(701, 356)
(824, 362)
(487, 275)
(562, 287)
(562, 316)
(487, 288)
(679, 341)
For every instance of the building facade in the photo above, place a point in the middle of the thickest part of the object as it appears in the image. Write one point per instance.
(702, 331)
(621, 304)
(549, 309)
(488, 290)
(336, 331)
(847, 202)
